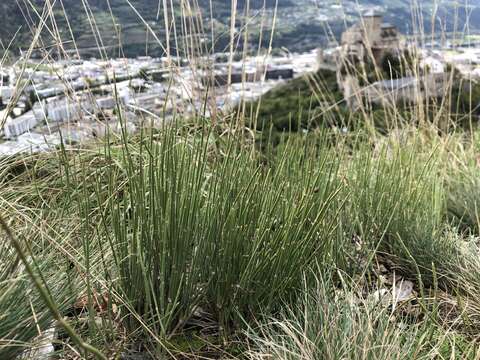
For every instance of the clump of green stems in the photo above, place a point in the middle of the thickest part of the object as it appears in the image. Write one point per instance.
(220, 230)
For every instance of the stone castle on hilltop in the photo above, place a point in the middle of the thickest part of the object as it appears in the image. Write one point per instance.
(370, 38)
(366, 46)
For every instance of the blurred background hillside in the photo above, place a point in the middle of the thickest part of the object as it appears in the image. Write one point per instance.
(301, 25)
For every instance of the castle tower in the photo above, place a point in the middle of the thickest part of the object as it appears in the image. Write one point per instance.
(372, 20)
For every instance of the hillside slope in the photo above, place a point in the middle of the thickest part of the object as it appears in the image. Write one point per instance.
(315, 101)
(303, 102)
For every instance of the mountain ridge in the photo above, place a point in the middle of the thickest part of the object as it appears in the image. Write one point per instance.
(301, 25)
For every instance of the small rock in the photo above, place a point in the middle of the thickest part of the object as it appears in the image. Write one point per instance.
(403, 291)
(381, 296)
(382, 269)
(45, 348)
(400, 292)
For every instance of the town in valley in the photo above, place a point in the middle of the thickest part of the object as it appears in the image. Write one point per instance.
(44, 103)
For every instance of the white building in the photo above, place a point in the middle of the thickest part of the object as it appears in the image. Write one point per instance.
(433, 64)
(106, 103)
(408, 89)
(29, 143)
(6, 93)
(19, 125)
(40, 111)
(68, 109)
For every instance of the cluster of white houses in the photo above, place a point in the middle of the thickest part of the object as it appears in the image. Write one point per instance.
(66, 92)
(61, 110)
